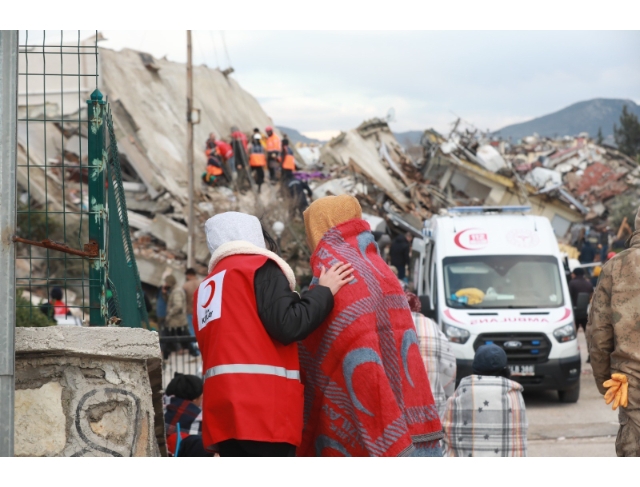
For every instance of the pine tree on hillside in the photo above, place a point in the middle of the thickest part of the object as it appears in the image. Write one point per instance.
(599, 138)
(627, 137)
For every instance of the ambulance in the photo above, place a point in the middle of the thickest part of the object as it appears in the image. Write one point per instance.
(495, 275)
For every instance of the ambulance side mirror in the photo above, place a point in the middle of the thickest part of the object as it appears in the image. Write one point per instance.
(425, 303)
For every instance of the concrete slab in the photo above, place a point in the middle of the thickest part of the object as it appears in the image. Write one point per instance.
(39, 415)
(89, 391)
(172, 233)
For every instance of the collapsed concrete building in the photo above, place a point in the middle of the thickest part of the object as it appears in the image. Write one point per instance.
(370, 164)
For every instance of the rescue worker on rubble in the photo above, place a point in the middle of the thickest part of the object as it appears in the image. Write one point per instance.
(248, 319)
(225, 151)
(256, 131)
(257, 159)
(274, 149)
(297, 189)
(613, 337)
(288, 161)
(213, 171)
(236, 134)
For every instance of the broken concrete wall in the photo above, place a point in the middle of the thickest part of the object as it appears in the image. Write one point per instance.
(367, 150)
(88, 392)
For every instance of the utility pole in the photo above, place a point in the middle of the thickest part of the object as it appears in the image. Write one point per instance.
(8, 147)
(191, 227)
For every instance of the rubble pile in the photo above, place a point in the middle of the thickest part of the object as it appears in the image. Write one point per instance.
(368, 163)
(570, 180)
(593, 174)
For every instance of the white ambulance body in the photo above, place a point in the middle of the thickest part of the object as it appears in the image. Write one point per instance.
(495, 275)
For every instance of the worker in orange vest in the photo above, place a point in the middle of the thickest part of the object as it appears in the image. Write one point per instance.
(288, 161)
(214, 165)
(257, 159)
(256, 131)
(274, 148)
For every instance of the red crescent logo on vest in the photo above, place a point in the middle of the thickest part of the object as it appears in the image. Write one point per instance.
(212, 285)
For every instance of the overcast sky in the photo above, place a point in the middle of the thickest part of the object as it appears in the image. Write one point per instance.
(322, 82)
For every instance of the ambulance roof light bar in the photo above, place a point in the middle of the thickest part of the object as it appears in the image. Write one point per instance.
(470, 210)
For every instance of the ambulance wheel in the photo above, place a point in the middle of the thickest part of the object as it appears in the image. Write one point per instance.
(570, 395)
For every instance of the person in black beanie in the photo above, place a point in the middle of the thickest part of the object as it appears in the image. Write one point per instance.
(185, 386)
(490, 360)
(182, 406)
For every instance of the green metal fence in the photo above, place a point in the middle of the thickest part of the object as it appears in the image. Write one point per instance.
(127, 298)
(72, 234)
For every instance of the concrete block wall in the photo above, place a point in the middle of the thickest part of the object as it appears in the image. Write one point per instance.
(88, 392)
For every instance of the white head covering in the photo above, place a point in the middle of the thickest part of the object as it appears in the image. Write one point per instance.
(231, 227)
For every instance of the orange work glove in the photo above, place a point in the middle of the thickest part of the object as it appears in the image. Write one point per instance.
(618, 391)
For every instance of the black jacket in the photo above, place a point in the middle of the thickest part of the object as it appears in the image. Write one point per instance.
(577, 286)
(287, 316)
(297, 188)
(400, 251)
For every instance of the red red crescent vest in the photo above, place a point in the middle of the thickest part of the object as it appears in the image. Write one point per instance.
(252, 388)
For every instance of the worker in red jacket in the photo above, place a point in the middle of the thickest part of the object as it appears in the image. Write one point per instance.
(247, 320)
(237, 135)
(225, 151)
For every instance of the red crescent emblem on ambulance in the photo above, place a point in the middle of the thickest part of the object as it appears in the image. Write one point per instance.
(471, 241)
(567, 313)
(212, 285)
(448, 314)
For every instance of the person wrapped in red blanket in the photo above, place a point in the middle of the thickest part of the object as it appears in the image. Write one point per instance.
(366, 389)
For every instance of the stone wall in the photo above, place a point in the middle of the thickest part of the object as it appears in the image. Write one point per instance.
(88, 392)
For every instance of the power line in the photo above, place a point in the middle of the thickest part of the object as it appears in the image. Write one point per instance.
(215, 51)
(224, 44)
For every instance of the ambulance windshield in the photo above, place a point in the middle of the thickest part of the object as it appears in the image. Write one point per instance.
(503, 281)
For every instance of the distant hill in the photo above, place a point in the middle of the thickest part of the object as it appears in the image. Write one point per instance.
(585, 116)
(406, 139)
(295, 136)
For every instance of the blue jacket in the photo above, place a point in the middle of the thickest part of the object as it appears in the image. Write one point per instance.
(161, 306)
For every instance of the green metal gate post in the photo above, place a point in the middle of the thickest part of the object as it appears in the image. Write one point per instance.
(97, 211)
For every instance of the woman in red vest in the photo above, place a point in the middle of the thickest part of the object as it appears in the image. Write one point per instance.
(247, 320)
